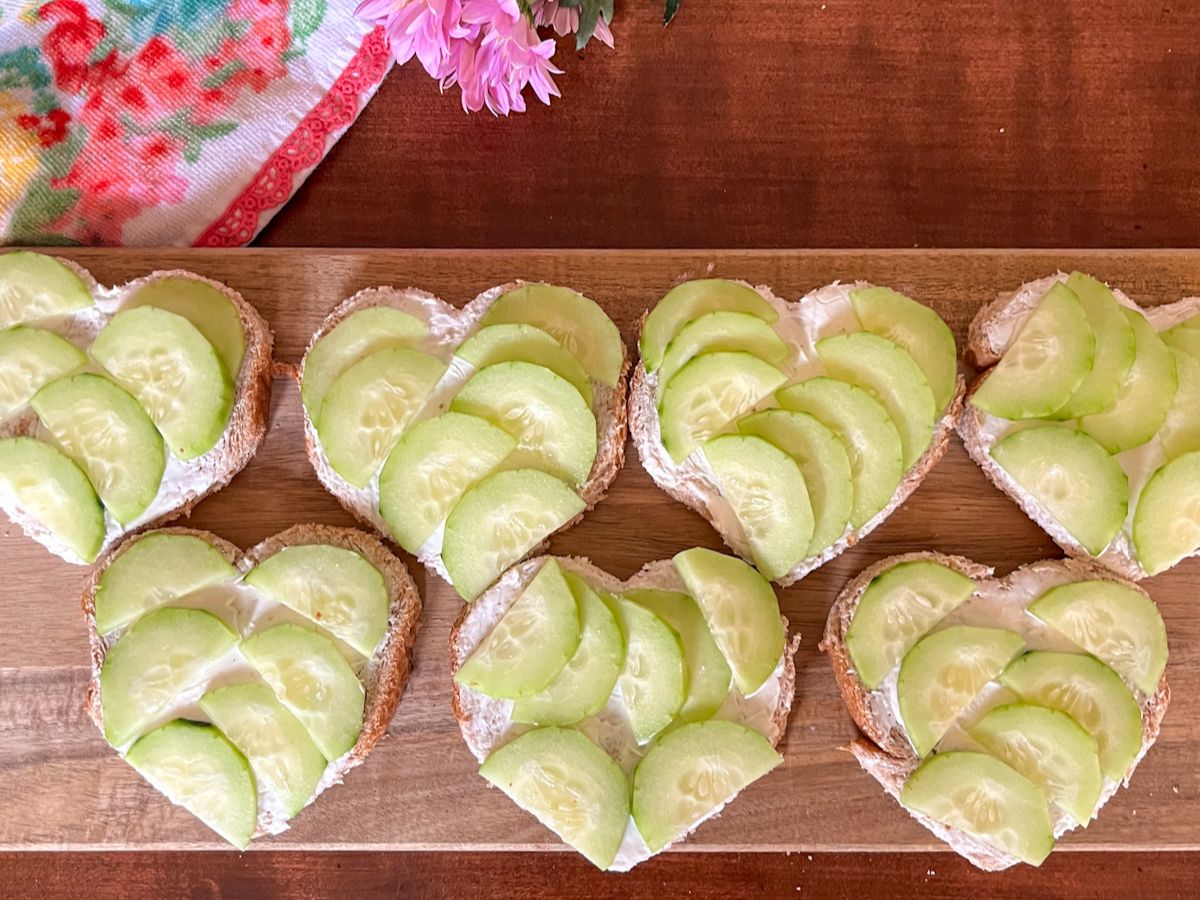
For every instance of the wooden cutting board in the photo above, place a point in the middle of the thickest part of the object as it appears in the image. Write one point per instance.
(62, 787)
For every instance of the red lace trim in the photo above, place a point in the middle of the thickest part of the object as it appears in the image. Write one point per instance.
(303, 149)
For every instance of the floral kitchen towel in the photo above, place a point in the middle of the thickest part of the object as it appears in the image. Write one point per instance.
(171, 121)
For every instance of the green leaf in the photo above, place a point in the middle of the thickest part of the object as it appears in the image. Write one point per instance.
(42, 206)
(57, 160)
(589, 15)
(307, 16)
(47, 239)
(672, 7)
(223, 74)
(215, 130)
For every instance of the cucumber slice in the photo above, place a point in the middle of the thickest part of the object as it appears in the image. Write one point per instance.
(766, 491)
(890, 375)
(944, 672)
(583, 687)
(741, 611)
(1050, 749)
(569, 785)
(1144, 394)
(332, 587)
(282, 755)
(1090, 693)
(313, 681)
(196, 767)
(155, 570)
(918, 330)
(531, 643)
(653, 679)
(1072, 477)
(1184, 338)
(370, 404)
(723, 332)
(29, 359)
(524, 343)
(1115, 349)
(1180, 432)
(576, 322)
(33, 286)
(44, 484)
(709, 677)
(498, 521)
(1166, 521)
(164, 654)
(978, 794)
(430, 468)
(707, 394)
(173, 371)
(1114, 622)
(823, 463)
(109, 436)
(691, 773)
(868, 435)
(896, 610)
(553, 425)
(361, 334)
(1047, 362)
(205, 307)
(687, 303)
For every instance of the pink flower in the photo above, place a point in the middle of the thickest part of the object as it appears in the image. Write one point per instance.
(486, 47)
(430, 30)
(493, 71)
(70, 43)
(565, 20)
(118, 175)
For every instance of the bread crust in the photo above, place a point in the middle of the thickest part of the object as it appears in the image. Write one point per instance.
(247, 425)
(252, 395)
(481, 719)
(611, 410)
(387, 671)
(991, 333)
(644, 428)
(886, 753)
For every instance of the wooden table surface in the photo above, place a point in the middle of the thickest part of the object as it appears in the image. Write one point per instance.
(852, 123)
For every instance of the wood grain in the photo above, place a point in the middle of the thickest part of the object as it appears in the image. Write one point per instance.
(63, 788)
(870, 123)
(426, 876)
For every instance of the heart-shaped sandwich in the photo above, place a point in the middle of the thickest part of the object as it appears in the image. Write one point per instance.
(467, 435)
(122, 407)
(242, 685)
(794, 428)
(1088, 416)
(1000, 712)
(624, 714)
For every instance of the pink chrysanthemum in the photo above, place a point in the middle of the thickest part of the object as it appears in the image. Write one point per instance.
(493, 71)
(565, 20)
(431, 30)
(487, 47)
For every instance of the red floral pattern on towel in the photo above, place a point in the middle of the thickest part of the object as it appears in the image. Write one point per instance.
(113, 110)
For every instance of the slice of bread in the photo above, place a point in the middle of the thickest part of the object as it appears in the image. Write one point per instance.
(185, 483)
(692, 484)
(449, 326)
(486, 723)
(991, 333)
(383, 677)
(885, 751)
